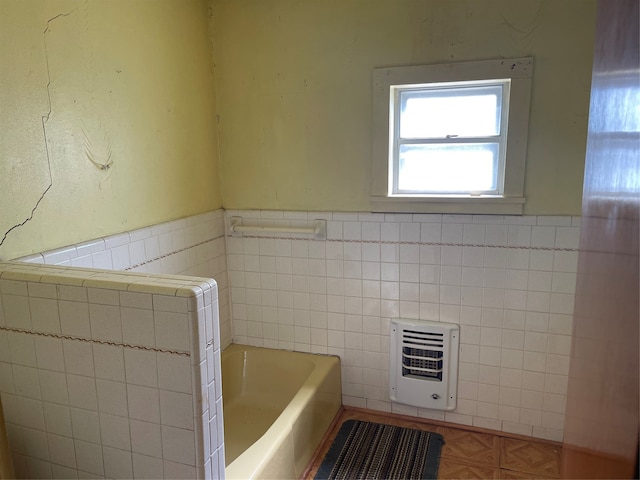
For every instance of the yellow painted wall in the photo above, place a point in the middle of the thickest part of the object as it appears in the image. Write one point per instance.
(123, 82)
(294, 90)
(130, 84)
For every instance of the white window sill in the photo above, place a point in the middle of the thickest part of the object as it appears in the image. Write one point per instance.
(496, 205)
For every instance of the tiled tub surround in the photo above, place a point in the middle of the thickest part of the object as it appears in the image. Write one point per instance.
(110, 374)
(508, 281)
(193, 246)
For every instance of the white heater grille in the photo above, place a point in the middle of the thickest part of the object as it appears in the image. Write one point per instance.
(424, 364)
(422, 355)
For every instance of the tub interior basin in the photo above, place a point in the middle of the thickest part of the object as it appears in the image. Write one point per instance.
(257, 387)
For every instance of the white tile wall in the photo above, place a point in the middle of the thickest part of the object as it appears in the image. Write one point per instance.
(508, 281)
(110, 375)
(193, 246)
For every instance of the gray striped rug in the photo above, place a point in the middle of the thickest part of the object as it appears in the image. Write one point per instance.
(376, 451)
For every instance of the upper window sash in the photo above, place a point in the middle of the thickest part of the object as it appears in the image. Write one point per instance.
(456, 95)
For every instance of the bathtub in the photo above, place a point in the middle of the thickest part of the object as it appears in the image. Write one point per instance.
(277, 406)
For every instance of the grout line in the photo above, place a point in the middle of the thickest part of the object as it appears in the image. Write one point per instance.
(171, 253)
(90, 340)
(437, 244)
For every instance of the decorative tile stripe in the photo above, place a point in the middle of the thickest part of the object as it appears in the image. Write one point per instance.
(146, 262)
(89, 340)
(437, 244)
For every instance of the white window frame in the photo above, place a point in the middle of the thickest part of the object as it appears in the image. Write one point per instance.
(387, 80)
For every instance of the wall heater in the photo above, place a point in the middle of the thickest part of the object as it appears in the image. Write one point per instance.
(424, 363)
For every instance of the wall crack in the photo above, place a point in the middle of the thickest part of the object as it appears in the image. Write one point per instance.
(44, 119)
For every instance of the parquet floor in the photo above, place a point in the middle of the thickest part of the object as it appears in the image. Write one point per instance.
(466, 453)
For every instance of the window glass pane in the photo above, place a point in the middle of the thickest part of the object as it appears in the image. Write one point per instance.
(437, 168)
(461, 111)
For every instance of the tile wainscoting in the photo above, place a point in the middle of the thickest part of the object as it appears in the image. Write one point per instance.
(193, 246)
(120, 406)
(110, 374)
(509, 281)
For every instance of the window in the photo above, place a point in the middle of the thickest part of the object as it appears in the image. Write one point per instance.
(451, 138)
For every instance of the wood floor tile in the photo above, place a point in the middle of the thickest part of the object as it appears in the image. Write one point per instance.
(470, 447)
(511, 475)
(450, 469)
(530, 457)
(466, 453)
(386, 419)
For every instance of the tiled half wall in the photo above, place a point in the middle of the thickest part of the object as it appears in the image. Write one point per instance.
(508, 281)
(110, 374)
(193, 246)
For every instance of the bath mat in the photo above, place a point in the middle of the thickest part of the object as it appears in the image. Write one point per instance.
(376, 451)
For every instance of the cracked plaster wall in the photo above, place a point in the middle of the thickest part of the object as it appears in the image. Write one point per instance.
(107, 114)
(131, 88)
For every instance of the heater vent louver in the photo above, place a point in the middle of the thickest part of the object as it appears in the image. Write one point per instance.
(422, 355)
(424, 363)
